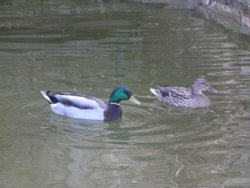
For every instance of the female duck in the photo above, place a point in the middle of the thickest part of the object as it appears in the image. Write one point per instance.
(185, 97)
(87, 107)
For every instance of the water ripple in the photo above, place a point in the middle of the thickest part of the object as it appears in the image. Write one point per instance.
(89, 48)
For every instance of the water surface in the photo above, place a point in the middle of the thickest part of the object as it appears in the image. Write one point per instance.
(93, 47)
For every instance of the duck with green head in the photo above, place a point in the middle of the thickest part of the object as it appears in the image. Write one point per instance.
(88, 107)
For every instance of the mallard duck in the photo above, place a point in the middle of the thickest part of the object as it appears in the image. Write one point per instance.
(185, 97)
(88, 107)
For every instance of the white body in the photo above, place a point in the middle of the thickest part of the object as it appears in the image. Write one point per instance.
(74, 112)
(77, 106)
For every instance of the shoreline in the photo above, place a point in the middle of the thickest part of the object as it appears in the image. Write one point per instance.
(232, 14)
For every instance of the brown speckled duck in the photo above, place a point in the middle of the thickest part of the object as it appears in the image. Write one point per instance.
(185, 97)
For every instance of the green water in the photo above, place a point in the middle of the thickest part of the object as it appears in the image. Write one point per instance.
(92, 47)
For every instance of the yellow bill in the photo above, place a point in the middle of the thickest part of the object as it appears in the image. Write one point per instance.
(134, 100)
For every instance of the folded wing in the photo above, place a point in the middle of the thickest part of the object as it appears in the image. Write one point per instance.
(74, 100)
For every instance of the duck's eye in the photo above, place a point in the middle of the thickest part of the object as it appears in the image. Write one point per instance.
(205, 85)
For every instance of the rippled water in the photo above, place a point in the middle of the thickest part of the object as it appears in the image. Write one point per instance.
(93, 47)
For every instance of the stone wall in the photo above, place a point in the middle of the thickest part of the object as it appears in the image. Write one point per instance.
(232, 14)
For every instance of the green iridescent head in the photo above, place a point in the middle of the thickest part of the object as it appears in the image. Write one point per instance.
(120, 94)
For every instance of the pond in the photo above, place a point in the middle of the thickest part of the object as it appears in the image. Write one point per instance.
(95, 46)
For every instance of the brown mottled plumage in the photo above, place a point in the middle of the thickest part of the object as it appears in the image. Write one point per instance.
(185, 97)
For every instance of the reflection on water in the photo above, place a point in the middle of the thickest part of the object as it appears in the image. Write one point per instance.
(93, 47)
